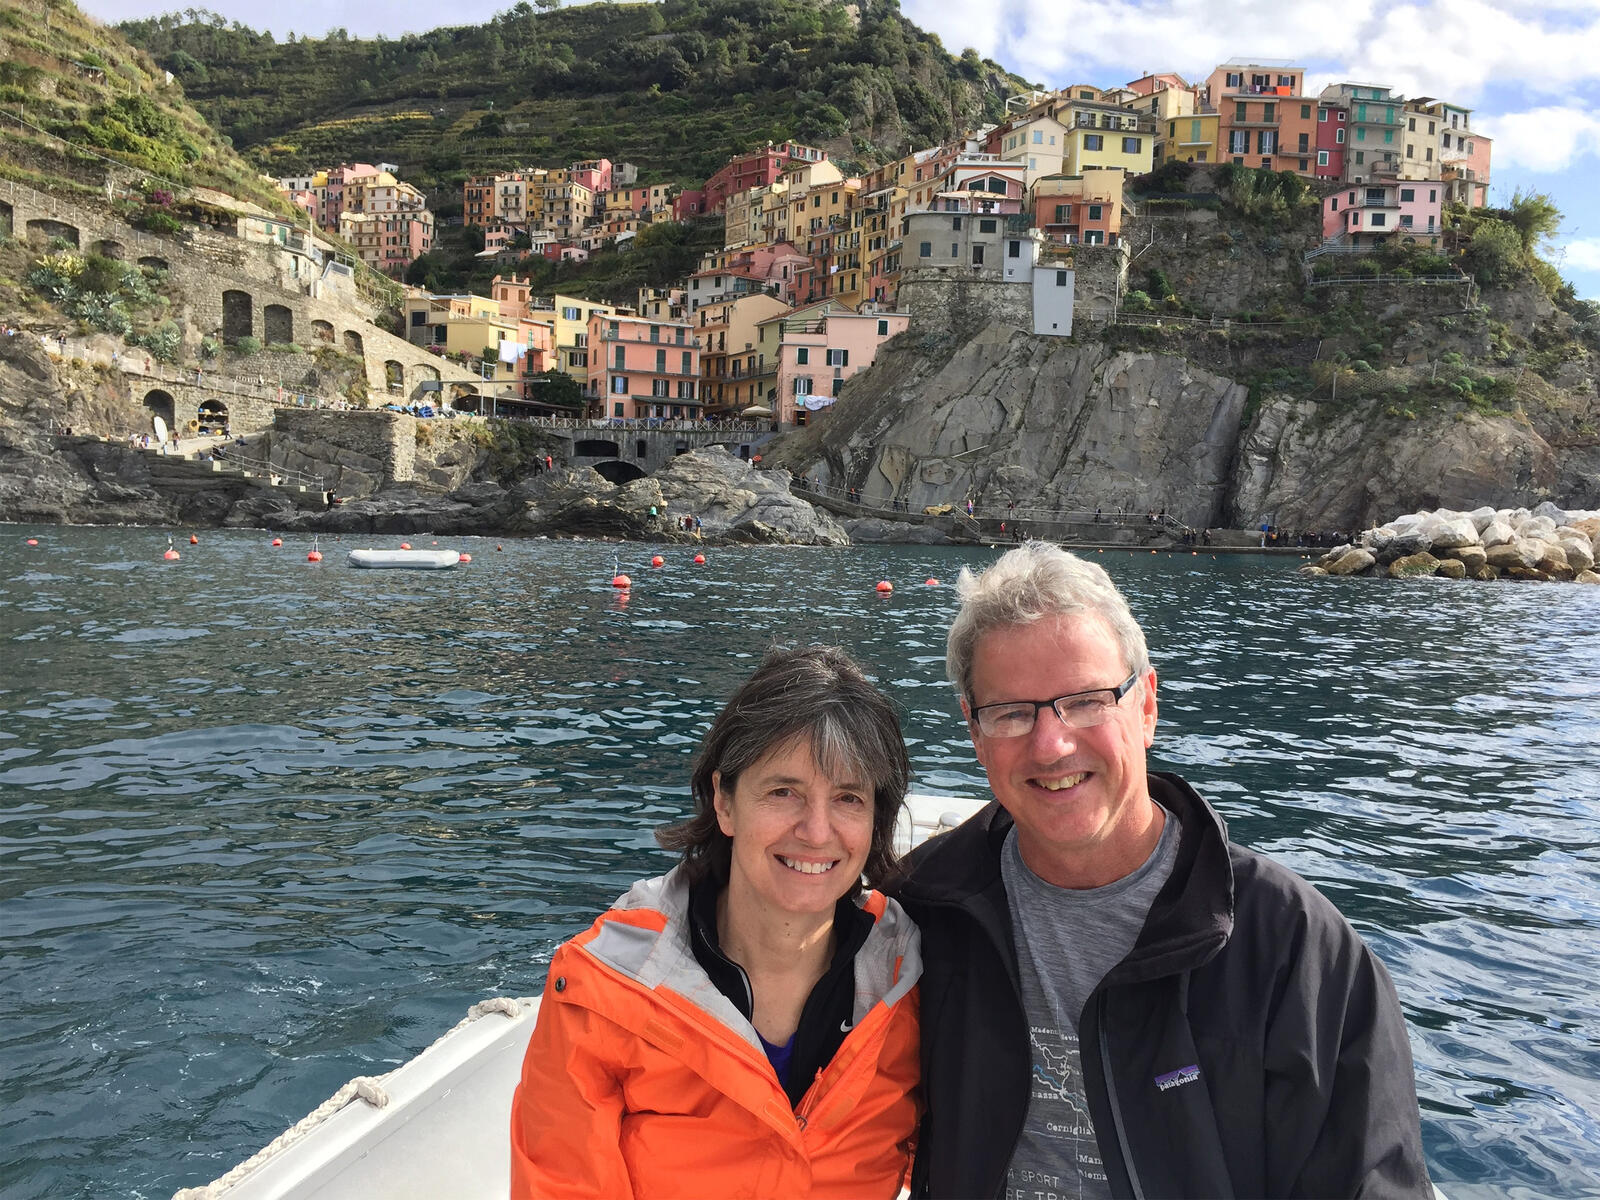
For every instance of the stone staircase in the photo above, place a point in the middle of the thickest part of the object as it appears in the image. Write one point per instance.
(191, 473)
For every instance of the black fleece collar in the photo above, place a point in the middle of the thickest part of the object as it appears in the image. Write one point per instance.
(1190, 918)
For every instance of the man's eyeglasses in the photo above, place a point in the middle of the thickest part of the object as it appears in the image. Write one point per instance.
(1078, 710)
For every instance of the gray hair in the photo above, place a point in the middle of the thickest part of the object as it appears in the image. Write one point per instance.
(816, 694)
(1034, 581)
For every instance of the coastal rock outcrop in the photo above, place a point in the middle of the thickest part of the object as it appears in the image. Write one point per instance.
(1546, 543)
(1049, 423)
(734, 501)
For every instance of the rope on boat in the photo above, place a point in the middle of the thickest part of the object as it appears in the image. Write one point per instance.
(362, 1087)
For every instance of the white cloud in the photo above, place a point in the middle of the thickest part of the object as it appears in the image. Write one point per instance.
(1542, 139)
(1455, 49)
(1580, 254)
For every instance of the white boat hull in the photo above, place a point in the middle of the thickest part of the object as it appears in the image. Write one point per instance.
(422, 560)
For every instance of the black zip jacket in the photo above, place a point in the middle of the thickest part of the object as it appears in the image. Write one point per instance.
(1249, 1045)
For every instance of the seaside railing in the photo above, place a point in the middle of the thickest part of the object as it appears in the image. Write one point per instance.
(659, 424)
(990, 513)
(273, 473)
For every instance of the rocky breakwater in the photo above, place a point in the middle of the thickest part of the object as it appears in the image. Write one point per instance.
(734, 501)
(1546, 543)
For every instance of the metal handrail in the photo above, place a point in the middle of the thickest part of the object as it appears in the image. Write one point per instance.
(1068, 516)
(264, 467)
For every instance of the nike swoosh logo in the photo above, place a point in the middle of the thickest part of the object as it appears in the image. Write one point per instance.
(845, 1026)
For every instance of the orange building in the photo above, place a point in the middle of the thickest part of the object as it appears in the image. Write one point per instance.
(1264, 118)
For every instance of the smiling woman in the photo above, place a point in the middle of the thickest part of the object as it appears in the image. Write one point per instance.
(733, 985)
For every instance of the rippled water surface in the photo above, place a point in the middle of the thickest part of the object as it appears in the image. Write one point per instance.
(267, 825)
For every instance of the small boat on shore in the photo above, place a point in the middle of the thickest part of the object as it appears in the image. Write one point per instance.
(440, 1124)
(419, 560)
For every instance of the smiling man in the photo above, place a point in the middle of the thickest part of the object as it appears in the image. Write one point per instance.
(1117, 1000)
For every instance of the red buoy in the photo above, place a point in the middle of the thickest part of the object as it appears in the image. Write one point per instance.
(193, 541)
(171, 555)
(405, 545)
(657, 560)
(277, 541)
(699, 560)
(932, 582)
(314, 556)
(33, 541)
(885, 587)
(465, 557)
(621, 581)
(499, 547)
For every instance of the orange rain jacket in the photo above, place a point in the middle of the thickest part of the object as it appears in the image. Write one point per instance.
(642, 1079)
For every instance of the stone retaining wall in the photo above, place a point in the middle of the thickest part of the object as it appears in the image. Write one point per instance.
(236, 287)
(356, 453)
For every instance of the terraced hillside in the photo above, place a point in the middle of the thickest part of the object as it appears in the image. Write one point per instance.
(80, 108)
(674, 87)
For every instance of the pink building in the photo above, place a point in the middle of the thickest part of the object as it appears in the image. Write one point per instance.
(646, 197)
(594, 174)
(333, 195)
(779, 268)
(1369, 213)
(1149, 85)
(641, 367)
(691, 202)
(307, 203)
(1333, 128)
(819, 348)
(760, 169)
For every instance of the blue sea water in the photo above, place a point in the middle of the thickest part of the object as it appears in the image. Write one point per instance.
(266, 825)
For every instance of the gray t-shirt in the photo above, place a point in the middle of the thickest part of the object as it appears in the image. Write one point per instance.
(1066, 943)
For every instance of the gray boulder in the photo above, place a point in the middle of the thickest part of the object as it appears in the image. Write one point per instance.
(1450, 531)
(1497, 532)
(1412, 565)
(1352, 562)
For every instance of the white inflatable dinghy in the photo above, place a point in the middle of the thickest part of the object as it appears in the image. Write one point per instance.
(422, 560)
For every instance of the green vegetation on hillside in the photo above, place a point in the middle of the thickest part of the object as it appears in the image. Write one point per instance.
(65, 78)
(674, 87)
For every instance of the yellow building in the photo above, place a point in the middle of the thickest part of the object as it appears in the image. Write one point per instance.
(572, 334)
(741, 218)
(1174, 108)
(426, 316)
(1102, 133)
(568, 206)
(730, 363)
(1189, 138)
(825, 225)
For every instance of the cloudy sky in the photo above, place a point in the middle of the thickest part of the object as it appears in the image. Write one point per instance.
(1530, 69)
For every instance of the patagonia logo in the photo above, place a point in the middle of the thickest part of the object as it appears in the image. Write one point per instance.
(1177, 1078)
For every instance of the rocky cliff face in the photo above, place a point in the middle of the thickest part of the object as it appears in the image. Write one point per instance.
(1044, 422)
(1304, 470)
(1151, 419)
